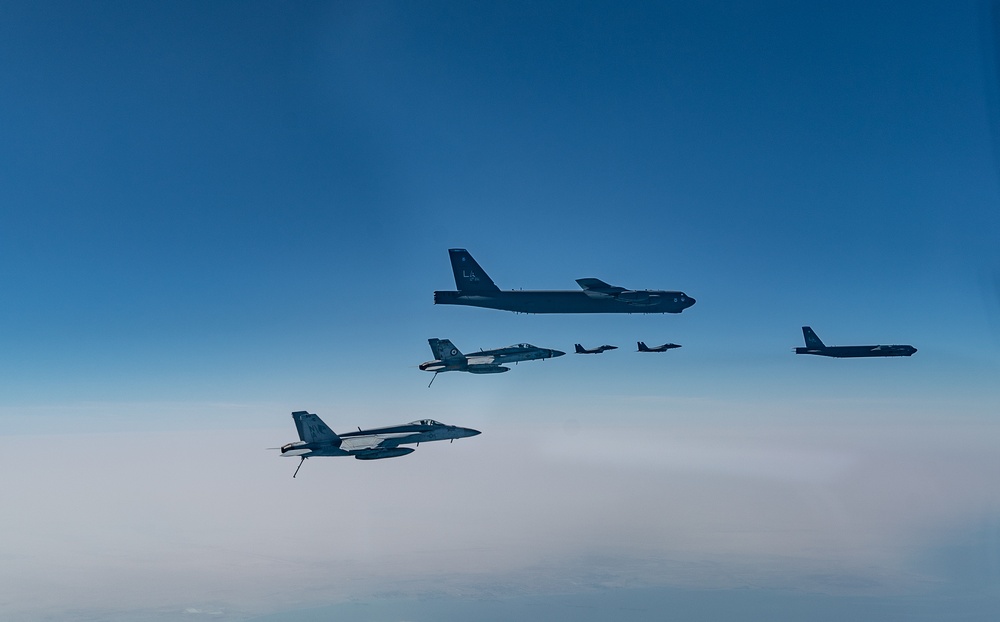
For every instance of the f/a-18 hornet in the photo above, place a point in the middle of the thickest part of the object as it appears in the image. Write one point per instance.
(483, 362)
(476, 289)
(644, 348)
(814, 345)
(581, 350)
(317, 439)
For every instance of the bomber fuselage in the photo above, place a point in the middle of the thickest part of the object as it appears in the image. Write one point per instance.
(565, 301)
(844, 352)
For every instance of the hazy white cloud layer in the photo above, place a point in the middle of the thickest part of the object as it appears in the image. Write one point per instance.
(125, 525)
(215, 213)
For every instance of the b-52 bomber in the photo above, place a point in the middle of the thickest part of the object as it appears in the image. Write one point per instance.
(476, 289)
(644, 348)
(317, 439)
(449, 358)
(814, 345)
(581, 350)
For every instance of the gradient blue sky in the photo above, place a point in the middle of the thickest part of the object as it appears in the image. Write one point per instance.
(215, 214)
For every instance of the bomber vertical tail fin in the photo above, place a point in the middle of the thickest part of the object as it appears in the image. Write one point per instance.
(469, 275)
(812, 340)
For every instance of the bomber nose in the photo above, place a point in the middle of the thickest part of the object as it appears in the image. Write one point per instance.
(690, 301)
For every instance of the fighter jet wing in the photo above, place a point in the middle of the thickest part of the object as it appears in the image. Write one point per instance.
(373, 441)
(481, 360)
(596, 288)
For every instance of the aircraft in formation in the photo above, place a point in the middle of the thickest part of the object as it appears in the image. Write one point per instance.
(477, 289)
(317, 439)
(814, 345)
(449, 358)
(644, 348)
(581, 350)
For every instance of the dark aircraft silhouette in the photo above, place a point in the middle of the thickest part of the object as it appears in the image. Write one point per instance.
(317, 439)
(476, 289)
(644, 348)
(814, 345)
(449, 358)
(581, 350)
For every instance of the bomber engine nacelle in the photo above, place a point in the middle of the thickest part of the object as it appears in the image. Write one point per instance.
(378, 454)
(487, 369)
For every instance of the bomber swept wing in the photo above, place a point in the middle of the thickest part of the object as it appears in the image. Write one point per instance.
(596, 288)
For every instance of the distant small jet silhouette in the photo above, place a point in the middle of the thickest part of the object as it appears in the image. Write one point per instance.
(581, 350)
(667, 346)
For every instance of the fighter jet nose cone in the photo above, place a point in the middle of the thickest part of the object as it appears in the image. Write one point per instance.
(556, 353)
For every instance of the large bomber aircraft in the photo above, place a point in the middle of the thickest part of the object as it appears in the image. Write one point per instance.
(814, 345)
(476, 289)
(449, 358)
(317, 439)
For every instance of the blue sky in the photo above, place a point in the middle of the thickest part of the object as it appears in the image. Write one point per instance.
(217, 214)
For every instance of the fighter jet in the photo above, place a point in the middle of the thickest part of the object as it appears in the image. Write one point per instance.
(644, 348)
(476, 289)
(816, 346)
(581, 350)
(483, 362)
(317, 439)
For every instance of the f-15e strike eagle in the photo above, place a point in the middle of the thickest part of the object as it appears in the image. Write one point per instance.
(814, 345)
(449, 358)
(317, 439)
(581, 350)
(476, 289)
(644, 348)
